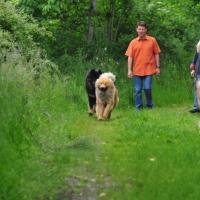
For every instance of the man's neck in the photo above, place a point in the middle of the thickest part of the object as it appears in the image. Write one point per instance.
(142, 37)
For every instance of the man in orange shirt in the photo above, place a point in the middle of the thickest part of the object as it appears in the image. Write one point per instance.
(143, 63)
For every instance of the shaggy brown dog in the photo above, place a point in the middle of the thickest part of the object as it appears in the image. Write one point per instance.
(106, 96)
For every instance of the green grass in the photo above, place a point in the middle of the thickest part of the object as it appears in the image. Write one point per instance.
(147, 155)
(152, 154)
(52, 149)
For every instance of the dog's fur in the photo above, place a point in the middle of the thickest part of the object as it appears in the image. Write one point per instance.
(198, 92)
(109, 75)
(91, 77)
(106, 96)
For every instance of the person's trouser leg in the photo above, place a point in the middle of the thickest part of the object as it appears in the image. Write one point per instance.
(195, 97)
(138, 91)
(148, 90)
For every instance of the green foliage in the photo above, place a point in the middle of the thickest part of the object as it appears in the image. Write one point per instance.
(51, 148)
(27, 104)
(23, 28)
(23, 67)
(113, 25)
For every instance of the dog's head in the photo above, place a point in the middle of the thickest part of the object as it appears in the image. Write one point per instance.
(109, 75)
(91, 78)
(104, 84)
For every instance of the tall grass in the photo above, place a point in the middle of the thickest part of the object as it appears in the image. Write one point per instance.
(47, 137)
(26, 104)
(173, 86)
(51, 148)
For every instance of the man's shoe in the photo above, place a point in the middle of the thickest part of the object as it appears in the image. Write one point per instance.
(149, 107)
(194, 110)
(139, 108)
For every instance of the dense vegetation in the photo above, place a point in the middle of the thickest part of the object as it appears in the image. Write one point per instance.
(50, 148)
(104, 28)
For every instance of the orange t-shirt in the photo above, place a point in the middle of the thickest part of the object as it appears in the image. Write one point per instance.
(143, 52)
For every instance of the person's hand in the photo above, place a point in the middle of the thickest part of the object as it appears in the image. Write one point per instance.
(157, 71)
(130, 74)
(192, 73)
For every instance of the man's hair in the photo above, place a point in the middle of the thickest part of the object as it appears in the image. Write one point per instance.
(142, 23)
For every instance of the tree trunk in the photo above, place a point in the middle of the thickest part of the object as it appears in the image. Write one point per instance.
(110, 20)
(91, 14)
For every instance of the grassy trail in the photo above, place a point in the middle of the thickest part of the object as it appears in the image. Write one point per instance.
(153, 154)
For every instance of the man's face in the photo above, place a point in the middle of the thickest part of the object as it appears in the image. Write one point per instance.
(141, 31)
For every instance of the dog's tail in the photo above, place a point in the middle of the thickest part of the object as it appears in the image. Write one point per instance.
(109, 75)
(198, 92)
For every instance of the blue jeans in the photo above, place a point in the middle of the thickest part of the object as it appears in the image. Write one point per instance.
(195, 96)
(195, 93)
(139, 81)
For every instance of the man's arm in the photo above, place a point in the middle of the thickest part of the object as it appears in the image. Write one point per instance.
(192, 65)
(130, 64)
(157, 57)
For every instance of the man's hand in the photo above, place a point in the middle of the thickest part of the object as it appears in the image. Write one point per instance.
(130, 74)
(192, 73)
(157, 71)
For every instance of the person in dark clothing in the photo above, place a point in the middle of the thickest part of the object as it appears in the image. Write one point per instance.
(195, 72)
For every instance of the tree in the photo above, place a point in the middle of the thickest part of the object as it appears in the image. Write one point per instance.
(92, 11)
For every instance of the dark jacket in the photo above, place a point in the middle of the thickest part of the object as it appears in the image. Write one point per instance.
(195, 65)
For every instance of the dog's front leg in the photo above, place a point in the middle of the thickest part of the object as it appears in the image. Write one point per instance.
(91, 105)
(99, 110)
(108, 110)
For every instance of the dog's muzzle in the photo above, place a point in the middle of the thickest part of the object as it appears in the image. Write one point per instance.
(103, 89)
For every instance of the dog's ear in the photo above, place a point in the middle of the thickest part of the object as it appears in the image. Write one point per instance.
(93, 73)
(92, 70)
(99, 71)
